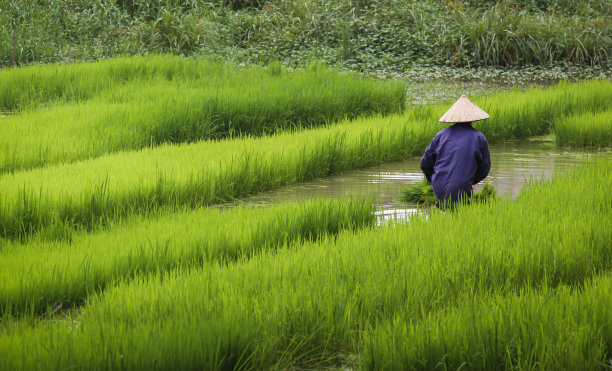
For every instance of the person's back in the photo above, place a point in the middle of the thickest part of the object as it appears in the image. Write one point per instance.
(456, 159)
(458, 156)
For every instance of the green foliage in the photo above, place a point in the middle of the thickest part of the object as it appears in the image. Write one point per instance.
(422, 193)
(87, 263)
(34, 86)
(573, 333)
(133, 103)
(242, 4)
(487, 193)
(212, 172)
(365, 35)
(307, 304)
(588, 129)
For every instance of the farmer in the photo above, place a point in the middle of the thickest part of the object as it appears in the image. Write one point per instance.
(458, 156)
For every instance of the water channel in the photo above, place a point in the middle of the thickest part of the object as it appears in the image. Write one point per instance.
(513, 163)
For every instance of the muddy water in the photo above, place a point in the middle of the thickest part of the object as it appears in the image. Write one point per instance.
(513, 163)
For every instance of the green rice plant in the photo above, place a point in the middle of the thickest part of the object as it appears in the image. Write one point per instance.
(588, 129)
(307, 305)
(519, 114)
(67, 271)
(88, 193)
(180, 103)
(422, 193)
(487, 193)
(550, 329)
(524, 113)
(35, 85)
(204, 173)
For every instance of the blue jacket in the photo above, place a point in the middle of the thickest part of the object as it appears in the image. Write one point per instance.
(456, 158)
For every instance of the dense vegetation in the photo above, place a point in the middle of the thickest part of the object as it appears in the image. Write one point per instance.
(423, 193)
(86, 263)
(111, 259)
(87, 193)
(587, 129)
(558, 329)
(358, 34)
(485, 267)
(70, 113)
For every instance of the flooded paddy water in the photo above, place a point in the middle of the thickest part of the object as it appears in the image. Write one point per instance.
(513, 164)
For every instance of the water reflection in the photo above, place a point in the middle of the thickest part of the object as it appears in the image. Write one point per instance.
(386, 216)
(513, 163)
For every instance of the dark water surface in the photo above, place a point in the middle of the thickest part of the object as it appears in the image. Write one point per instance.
(513, 163)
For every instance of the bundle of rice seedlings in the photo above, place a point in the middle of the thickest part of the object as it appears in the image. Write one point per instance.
(422, 193)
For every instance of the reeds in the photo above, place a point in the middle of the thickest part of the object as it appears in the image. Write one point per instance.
(361, 35)
(307, 304)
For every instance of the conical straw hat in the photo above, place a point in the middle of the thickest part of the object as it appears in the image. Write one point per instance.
(464, 110)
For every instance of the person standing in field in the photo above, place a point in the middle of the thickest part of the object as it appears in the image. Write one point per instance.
(458, 156)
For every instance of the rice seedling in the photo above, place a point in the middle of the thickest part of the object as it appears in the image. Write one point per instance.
(305, 305)
(587, 129)
(36, 85)
(487, 193)
(40, 273)
(520, 114)
(556, 329)
(422, 193)
(179, 103)
(86, 193)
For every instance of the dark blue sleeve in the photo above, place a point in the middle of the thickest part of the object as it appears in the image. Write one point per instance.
(484, 161)
(429, 159)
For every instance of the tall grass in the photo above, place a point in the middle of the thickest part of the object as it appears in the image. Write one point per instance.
(182, 101)
(90, 192)
(38, 274)
(21, 88)
(549, 329)
(536, 111)
(364, 35)
(304, 306)
(588, 129)
(87, 193)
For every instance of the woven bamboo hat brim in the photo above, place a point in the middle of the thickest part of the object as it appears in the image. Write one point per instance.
(464, 110)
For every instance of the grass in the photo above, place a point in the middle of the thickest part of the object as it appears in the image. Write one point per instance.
(362, 35)
(76, 265)
(587, 129)
(88, 193)
(306, 304)
(34, 86)
(134, 103)
(521, 114)
(563, 328)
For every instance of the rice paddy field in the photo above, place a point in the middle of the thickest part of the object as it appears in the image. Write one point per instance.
(125, 241)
